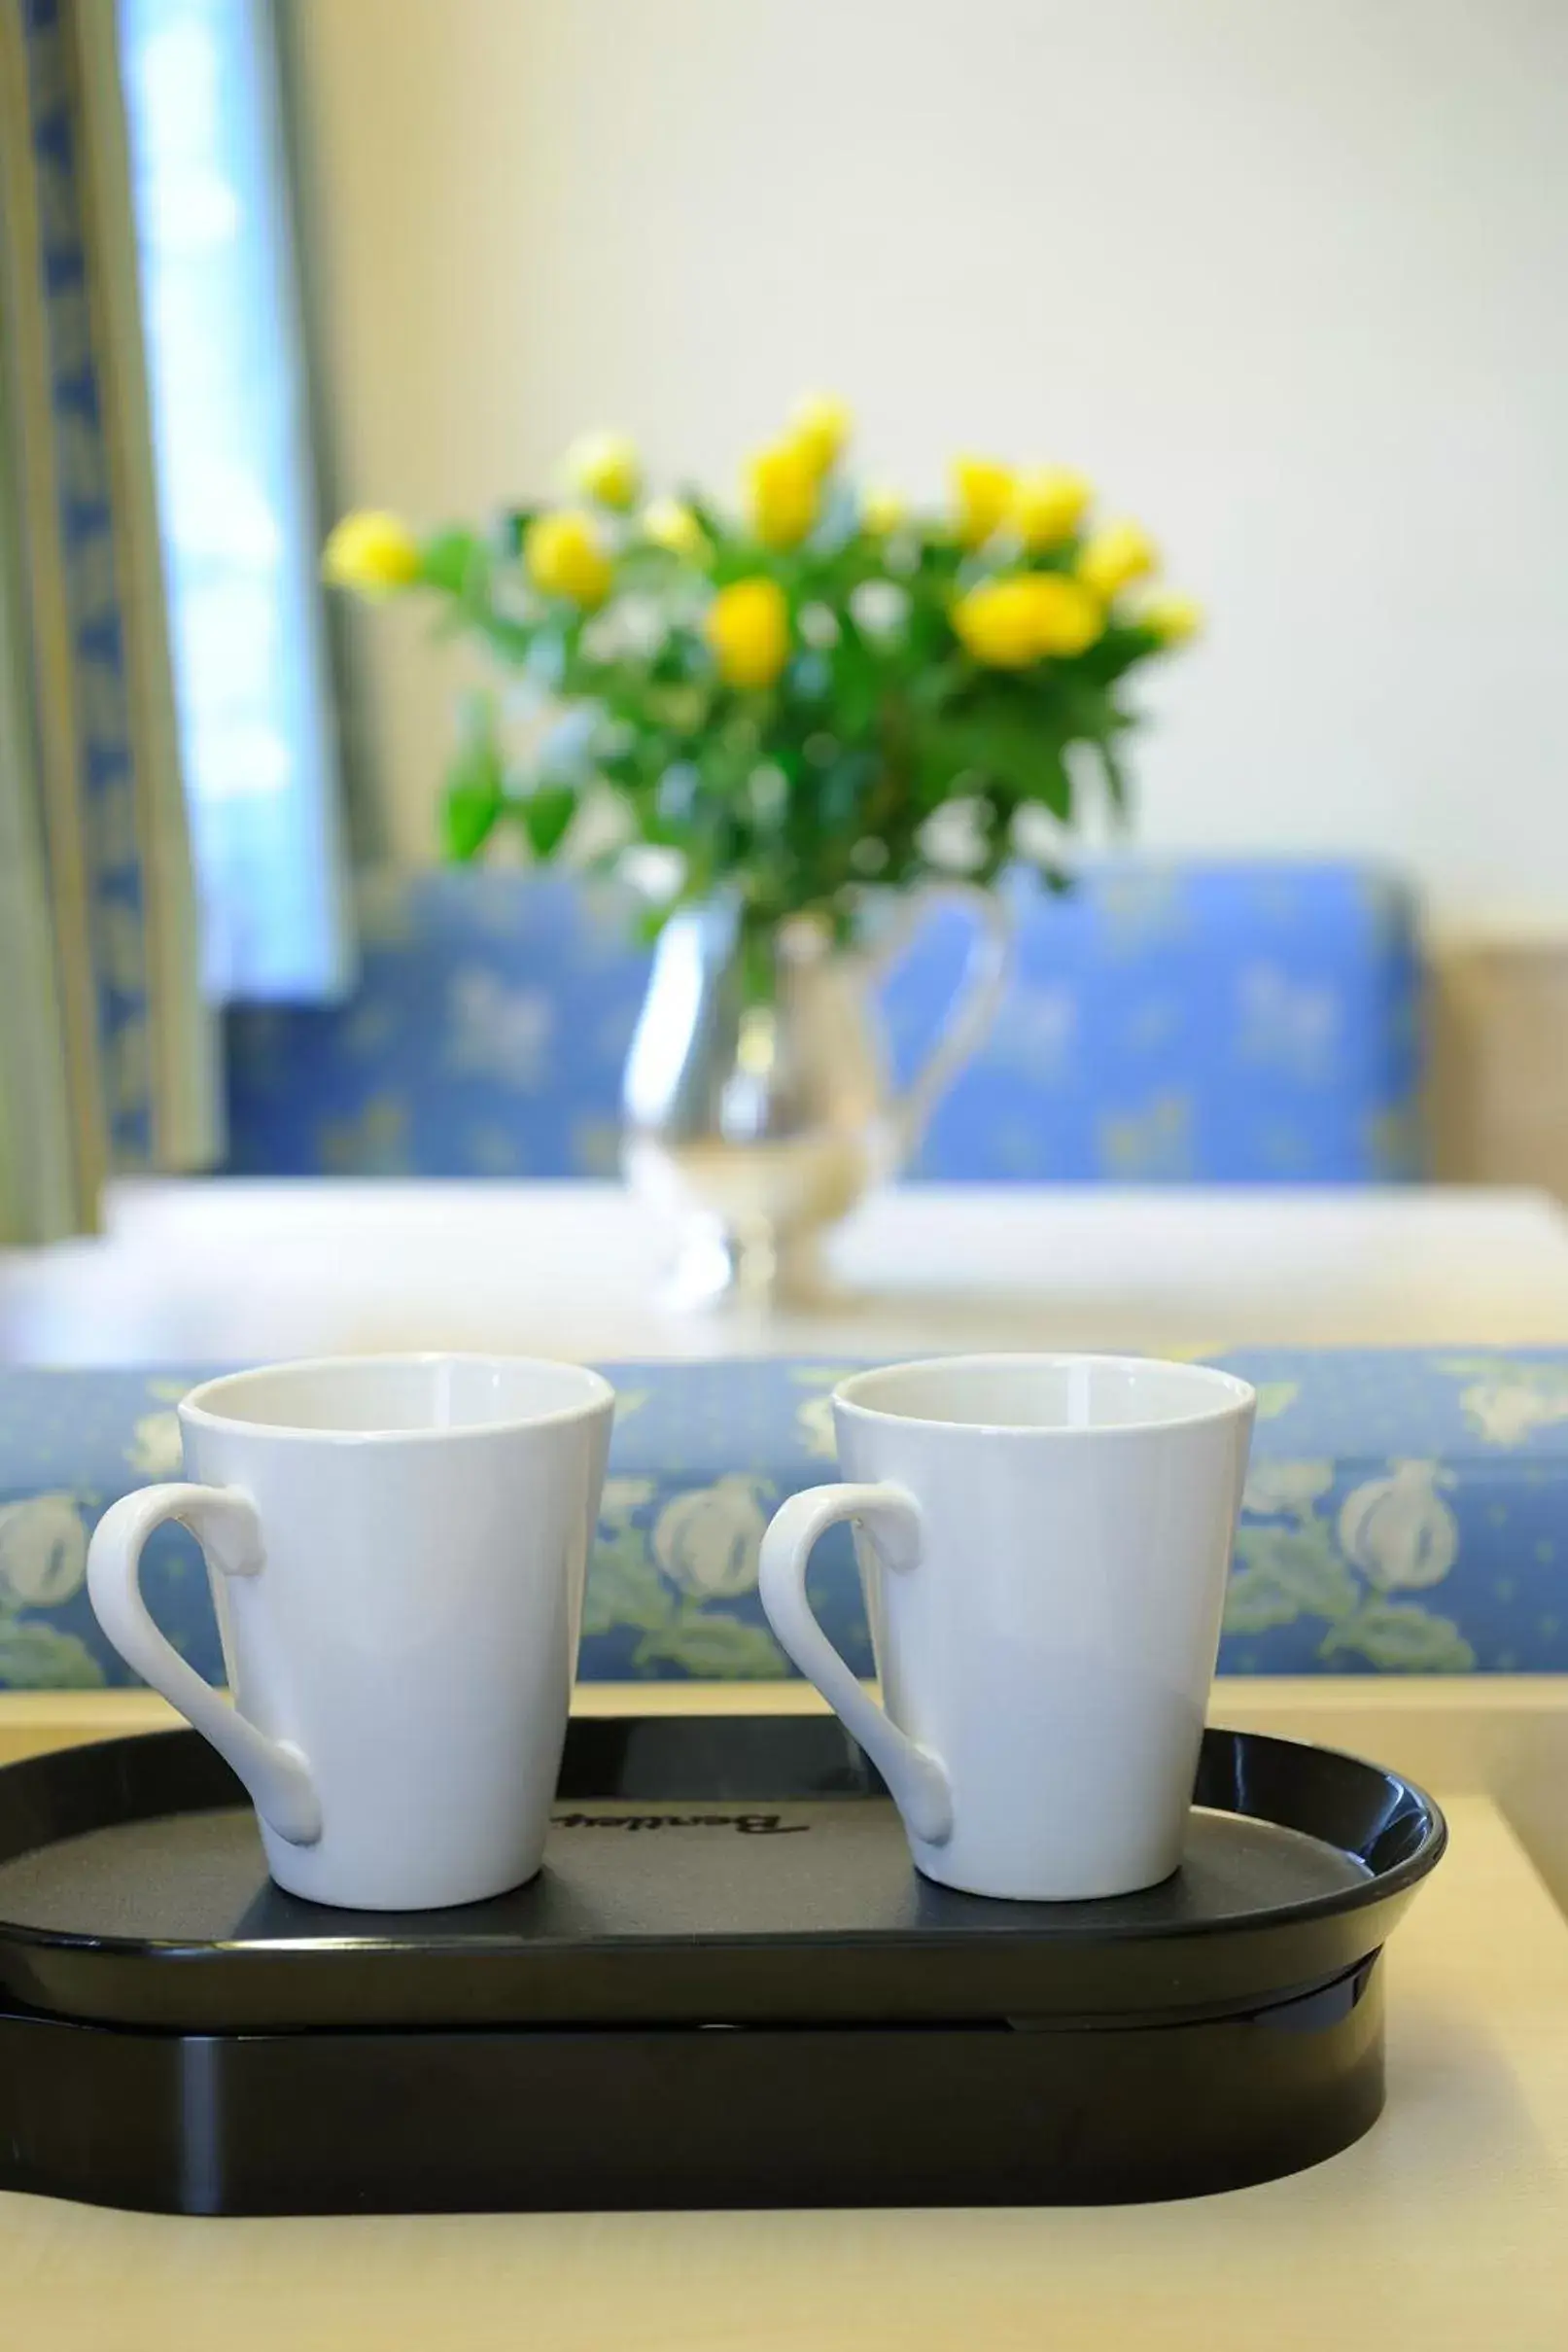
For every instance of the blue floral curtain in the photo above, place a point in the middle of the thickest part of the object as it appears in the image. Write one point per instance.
(106, 1048)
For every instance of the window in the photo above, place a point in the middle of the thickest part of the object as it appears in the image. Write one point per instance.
(237, 508)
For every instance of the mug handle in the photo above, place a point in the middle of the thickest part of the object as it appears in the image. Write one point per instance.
(223, 1521)
(916, 1780)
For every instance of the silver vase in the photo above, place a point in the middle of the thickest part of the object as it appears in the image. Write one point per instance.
(758, 1105)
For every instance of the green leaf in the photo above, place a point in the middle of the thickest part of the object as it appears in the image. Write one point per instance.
(36, 1655)
(475, 792)
(453, 560)
(1016, 747)
(469, 815)
(715, 1647)
(1049, 781)
(545, 817)
(935, 682)
(1254, 1604)
(858, 685)
(511, 528)
(512, 640)
(1301, 1566)
(624, 1587)
(650, 924)
(1401, 1637)
(1117, 789)
(709, 519)
(1111, 656)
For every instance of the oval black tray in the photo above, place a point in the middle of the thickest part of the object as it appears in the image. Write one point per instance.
(735, 1871)
(176, 2033)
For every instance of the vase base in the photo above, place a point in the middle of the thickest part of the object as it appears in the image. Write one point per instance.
(715, 1268)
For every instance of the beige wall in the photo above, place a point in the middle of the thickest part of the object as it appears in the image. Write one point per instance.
(1499, 1091)
(1287, 275)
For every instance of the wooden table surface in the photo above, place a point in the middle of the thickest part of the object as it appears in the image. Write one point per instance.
(1445, 2229)
(207, 1272)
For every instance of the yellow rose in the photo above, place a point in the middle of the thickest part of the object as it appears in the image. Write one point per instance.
(372, 552)
(1172, 618)
(996, 623)
(819, 429)
(565, 555)
(670, 525)
(783, 494)
(604, 465)
(982, 495)
(1115, 557)
(1012, 622)
(882, 511)
(748, 626)
(1050, 505)
(1066, 617)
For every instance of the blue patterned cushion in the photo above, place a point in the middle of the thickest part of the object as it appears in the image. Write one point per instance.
(1405, 1512)
(1220, 1022)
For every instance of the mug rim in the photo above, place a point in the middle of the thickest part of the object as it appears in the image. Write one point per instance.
(196, 1407)
(1232, 1394)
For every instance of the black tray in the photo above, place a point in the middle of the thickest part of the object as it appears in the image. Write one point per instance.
(727, 1988)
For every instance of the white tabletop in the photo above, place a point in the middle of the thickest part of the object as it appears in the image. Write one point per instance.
(214, 1271)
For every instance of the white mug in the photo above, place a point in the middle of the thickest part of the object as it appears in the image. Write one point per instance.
(1043, 1542)
(397, 1548)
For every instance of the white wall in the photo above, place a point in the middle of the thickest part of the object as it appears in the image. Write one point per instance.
(1289, 277)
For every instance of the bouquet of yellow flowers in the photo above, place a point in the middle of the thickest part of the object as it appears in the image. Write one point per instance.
(787, 696)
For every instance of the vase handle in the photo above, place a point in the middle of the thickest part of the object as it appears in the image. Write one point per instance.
(987, 971)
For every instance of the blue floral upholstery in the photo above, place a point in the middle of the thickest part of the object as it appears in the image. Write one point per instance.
(1405, 1512)
(1219, 1022)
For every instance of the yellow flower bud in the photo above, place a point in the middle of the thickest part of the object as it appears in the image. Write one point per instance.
(670, 525)
(982, 497)
(604, 465)
(748, 626)
(565, 555)
(819, 429)
(1115, 557)
(882, 511)
(995, 622)
(373, 552)
(1066, 617)
(1012, 622)
(782, 495)
(1172, 618)
(1050, 505)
